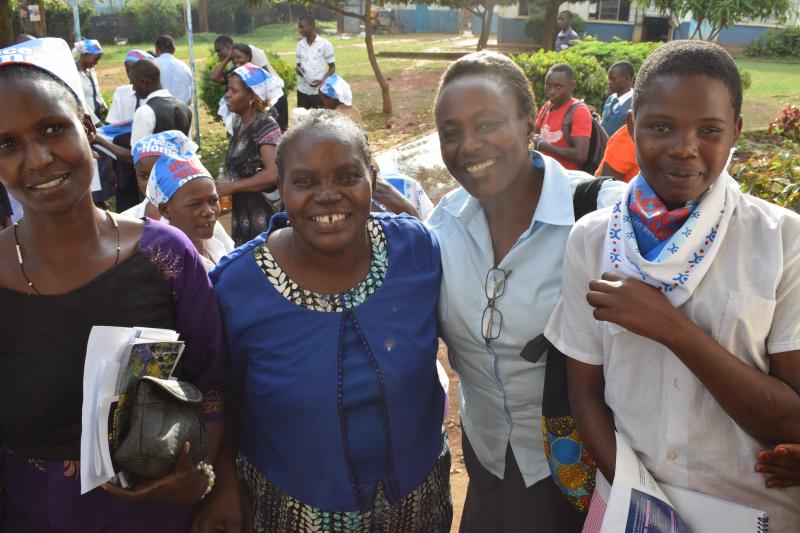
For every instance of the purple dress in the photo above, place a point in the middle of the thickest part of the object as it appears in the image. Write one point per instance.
(164, 285)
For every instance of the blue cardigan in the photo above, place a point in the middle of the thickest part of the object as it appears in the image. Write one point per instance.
(286, 368)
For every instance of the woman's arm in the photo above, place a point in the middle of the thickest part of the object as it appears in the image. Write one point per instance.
(766, 406)
(223, 508)
(585, 386)
(264, 179)
(217, 74)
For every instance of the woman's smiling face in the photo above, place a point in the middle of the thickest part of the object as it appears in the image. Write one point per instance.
(46, 160)
(326, 188)
(483, 135)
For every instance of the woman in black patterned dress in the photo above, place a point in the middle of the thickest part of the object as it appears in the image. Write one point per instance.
(251, 153)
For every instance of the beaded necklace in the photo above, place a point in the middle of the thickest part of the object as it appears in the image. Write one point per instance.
(22, 263)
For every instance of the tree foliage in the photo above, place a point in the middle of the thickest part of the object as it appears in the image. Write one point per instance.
(712, 16)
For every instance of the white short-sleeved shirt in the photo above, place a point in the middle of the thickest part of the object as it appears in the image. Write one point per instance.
(500, 392)
(176, 77)
(123, 105)
(749, 301)
(314, 59)
(144, 118)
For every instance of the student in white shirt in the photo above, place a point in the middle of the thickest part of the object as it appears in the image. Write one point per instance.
(125, 102)
(158, 110)
(679, 308)
(315, 62)
(176, 76)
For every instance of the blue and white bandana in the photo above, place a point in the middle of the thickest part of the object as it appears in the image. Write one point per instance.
(335, 87)
(170, 173)
(88, 46)
(49, 54)
(170, 142)
(677, 265)
(265, 85)
(137, 55)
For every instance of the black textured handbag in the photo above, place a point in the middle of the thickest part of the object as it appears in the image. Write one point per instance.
(163, 417)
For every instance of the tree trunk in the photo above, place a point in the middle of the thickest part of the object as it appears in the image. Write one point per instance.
(387, 98)
(6, 26)
(202, 16)
(486, 25)
(41, 26)
(549, 24)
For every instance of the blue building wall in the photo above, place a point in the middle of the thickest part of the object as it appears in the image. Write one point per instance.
(740, 35)
(605, 31)
(425, 20)
(512, 31)
(477, 23)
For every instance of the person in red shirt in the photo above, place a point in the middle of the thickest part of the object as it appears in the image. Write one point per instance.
(572, 149)
(619, 160)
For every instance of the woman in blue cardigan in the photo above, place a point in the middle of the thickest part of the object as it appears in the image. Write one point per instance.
(331, 322)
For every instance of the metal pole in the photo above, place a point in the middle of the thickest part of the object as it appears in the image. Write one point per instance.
(76, 19)
(190, 41)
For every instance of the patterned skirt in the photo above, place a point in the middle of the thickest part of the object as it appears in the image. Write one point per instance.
(427, 509)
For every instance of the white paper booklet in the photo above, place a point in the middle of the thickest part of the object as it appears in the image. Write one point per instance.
(115, 359)
(636, 503)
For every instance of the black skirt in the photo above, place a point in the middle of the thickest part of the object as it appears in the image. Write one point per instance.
(508, 506)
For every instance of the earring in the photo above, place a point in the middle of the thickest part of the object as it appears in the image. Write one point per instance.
(251, 103)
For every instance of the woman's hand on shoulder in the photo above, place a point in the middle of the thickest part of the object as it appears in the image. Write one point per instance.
(636, 306)
(781, 464)
(185, 484)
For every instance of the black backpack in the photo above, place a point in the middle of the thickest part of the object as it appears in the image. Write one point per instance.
(597, 141)
(557, 421)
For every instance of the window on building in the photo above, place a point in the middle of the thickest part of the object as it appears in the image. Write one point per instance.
(614, 10)
(523, 9)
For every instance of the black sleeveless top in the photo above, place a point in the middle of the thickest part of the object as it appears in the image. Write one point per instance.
(43, 349)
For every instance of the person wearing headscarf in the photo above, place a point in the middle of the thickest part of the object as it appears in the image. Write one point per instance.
(250, 163)
(87, 53)
(184, 192)
(65, 268)
(337, 96)
(238, 54)
(146, 152)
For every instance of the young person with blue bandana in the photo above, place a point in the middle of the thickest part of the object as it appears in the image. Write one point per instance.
(336, 95)
(679, 308)
(146, 153)
(184, 192)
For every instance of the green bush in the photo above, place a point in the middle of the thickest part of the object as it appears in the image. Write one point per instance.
(211, 92)
(609, 52)
(158, 17)
(591, 82)
(772, 175)
(784, 42)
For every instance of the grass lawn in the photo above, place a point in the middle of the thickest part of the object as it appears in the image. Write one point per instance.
(774, 85)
